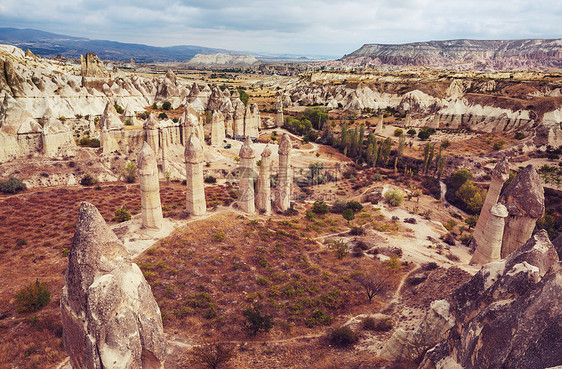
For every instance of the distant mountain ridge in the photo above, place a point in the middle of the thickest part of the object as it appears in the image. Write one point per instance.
(47, 44)
(463, 54)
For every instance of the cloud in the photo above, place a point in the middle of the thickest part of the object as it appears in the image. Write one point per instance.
(326, 27)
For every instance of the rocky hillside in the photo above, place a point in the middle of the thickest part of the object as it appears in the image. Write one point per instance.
(463, 54)
(219, 59)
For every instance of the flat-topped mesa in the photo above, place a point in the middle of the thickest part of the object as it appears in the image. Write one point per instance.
(195, 186)
(283, 198)
(247, 174)
(217, 129)
(150, 128)
(500, 174)
(149, 188)
(524, 200)
(109, 315)
(263, 197)
(490, 249)
(92, 66)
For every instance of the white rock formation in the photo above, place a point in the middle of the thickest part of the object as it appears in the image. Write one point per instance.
(263, 196)
(239, 120)
(252, 121)
(150, 128)
(500, 174)
(380, 125)
(489, 249)
(109, 315)
(195, 190)
(217, 129)
(283, 198)
(149, 188)
(247, 177)
(279, 120)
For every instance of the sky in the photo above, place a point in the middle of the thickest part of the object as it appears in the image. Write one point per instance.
(303, 27)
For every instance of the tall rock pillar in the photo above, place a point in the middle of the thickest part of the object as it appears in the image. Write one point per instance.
(149, 188)
(279, 119)
(109, 316)
(380, 125)
(263, 197)
(151, 132)
(195, 191)
(490, 250)
(247, 174)
(217, 129)
(499, 175)
(283, 198)
(239, 120)
(524, 200)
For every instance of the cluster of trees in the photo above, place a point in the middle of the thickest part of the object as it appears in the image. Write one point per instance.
(431, 166)
(309, 123)
(462, 192)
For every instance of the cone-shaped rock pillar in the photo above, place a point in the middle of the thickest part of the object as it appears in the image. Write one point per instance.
(149, 188)
(151, 132)
(490, 250)
(247, 175)
(283, 198)
(110, 317)
(499, 175)
(263, 197)
(195, 190)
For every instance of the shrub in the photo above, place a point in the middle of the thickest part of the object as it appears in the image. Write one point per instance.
(166, 105)
(212, 355)
(338, 207)
(398, 132)
(348, 215)
(88, 180)
(394, 198)
(256, 320)
(89, 142)
(380, 325)
(12, 185)
(519, 135)
(340, 248)
(210, 179)
(33, 297)
(499, 145)
(354, 205)
(219, 236)
(128, 122)
(163, 116)
(357, 231)
(118, 108)
(318, 317)
(343, 336)
(129, 172)
(320, 207)
(412, 132)
(122, 215)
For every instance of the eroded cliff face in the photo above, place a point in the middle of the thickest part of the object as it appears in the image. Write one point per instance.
(508, 315)
(463, 54)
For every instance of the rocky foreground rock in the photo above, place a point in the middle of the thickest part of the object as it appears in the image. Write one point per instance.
(109, 315)
(509, 315)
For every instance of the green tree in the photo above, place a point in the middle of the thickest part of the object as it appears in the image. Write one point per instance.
(166, 105)
(256, 320)
(244, 97)
(33, 297)
(348, 215)
(129, 172)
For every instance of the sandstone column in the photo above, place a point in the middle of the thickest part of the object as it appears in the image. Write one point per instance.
(279, 120)
(246, 183)
(229, 125)
(524, 200)
(239, 121)
(283, 199)
(380, 126)
(151, 132)
(490, 249)
(109, 316)
(195, 191)
(217, 129)
(499, 175)
(263, 197)
(149, 188)
(164, 149)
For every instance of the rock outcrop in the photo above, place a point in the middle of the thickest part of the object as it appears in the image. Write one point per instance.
(195, 190)
(508, 315)
(263, 196)
(109, 315)
(149, 188)
(92, 66)
(524, 200)
(247, 176)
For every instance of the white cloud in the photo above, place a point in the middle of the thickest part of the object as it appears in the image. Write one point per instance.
(293, 26)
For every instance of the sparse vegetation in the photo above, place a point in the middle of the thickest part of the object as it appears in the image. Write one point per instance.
(88, 180)
(129, 172)
(33, 297)
(12, 185)
(122, 214)
(343, 336)
(256, 321)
